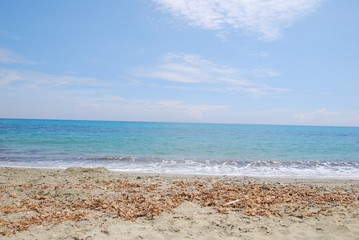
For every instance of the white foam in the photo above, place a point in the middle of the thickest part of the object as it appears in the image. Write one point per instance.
(194, 166)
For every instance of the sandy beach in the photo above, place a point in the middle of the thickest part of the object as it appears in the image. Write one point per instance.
(79, 203)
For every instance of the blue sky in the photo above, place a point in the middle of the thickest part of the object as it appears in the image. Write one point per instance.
(252, 62)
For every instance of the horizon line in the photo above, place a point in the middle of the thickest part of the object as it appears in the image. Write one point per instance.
(176, 122)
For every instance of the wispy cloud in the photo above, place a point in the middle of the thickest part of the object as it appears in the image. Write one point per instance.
(93, 97)
(199, 73)
(267, 18)
(187, 110)
(8, 56)
(319, 113)
(32, 79)
(8, 34)
(263, 54)
(167, 109)
(324, 116)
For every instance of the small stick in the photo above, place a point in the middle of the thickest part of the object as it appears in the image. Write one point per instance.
(232, 202)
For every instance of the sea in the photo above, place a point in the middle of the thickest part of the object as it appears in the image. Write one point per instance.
(182, 148)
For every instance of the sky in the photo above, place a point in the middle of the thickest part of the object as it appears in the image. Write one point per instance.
(292, 62)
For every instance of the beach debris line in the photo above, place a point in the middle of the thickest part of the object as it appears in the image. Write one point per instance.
(24, 205)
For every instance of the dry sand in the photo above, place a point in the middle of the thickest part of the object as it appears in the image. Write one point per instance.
(99, 204)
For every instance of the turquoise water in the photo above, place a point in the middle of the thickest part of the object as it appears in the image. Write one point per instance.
(251, 150)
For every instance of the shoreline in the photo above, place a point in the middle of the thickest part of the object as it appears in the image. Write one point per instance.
(60, 204)
(204, 175)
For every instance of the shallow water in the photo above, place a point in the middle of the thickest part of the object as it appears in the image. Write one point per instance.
(252, 150)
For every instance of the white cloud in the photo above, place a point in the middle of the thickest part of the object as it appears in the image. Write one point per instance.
(7, 56)
(173, 76)
(190, 69)
(267, 18)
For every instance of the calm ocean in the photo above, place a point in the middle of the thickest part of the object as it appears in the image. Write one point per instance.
(226, 149)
